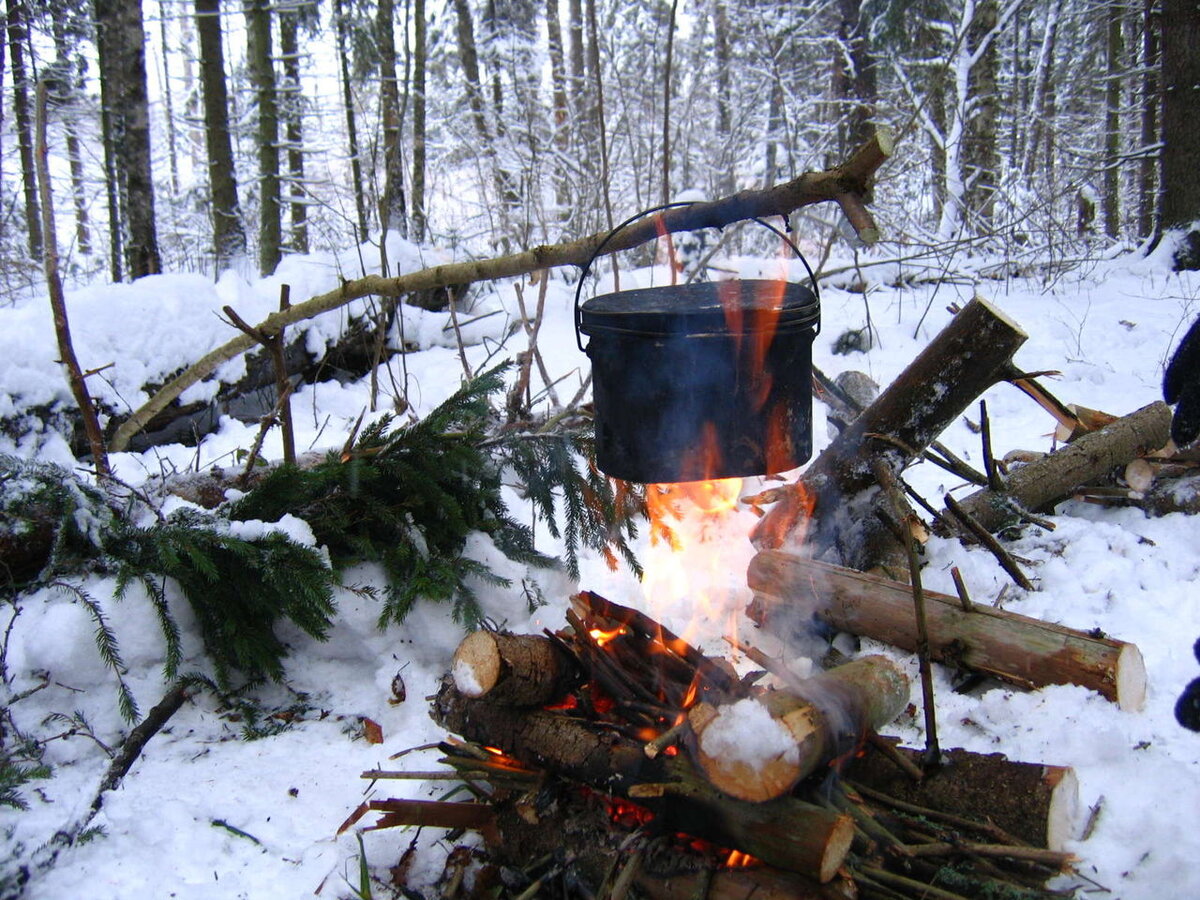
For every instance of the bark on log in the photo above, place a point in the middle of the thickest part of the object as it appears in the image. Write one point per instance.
(1035, 803)
(790, 591)
(1054, 477)
(852, 177)
(786, 833)
(512, 669)
(969, 355)
(795, 732)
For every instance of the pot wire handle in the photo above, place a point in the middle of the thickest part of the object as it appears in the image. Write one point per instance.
(583, 273)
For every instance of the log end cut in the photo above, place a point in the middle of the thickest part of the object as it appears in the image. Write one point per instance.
(749, 754)
(476, 666)
(1131, 679)
(838, 845)
(1062, 818)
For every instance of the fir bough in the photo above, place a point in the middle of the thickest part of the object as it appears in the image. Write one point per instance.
(239, 590)
(408, 497)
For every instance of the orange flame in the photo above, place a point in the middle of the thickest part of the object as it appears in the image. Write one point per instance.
(602, 637)
(739, 860)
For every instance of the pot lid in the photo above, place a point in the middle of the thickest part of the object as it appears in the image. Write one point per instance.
(745, 306)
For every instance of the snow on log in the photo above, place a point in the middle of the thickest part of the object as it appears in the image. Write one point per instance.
(760, 747)
(790, 590)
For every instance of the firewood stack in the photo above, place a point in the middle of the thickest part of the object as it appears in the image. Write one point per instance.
(612, 754)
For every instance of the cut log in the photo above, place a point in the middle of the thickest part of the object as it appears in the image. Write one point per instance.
(1033, 803)
(760, 747)
(786, 833)
(1055, 476)
(513, 669)
(791, 591)
(970, 354)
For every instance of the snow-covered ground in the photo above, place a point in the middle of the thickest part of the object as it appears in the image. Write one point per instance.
(205, 813)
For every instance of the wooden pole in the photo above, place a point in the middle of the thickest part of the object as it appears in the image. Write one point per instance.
(965, 359)
(790, 591)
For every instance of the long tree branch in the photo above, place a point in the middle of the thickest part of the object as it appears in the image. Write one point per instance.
(851, 179)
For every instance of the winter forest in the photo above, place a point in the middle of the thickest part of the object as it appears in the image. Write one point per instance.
(316, 567)
(182, 136)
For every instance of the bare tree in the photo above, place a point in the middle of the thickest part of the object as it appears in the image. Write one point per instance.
(120, 39)
(18, 15)
(229, 236)
(1181, 125)
(261, 65)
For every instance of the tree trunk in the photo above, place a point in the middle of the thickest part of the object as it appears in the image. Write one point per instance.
(1034, 803)
(73, 87)
(468, 58)
(854, 81)
(1148, 164)
(980, 158)
(261, 65)
(168, 97)
(788, 833)
(292, 106)
(560, 117)
(791, 591)
(513, 669)
(119, 31)
(393, 212)
(723, 61)
(420, 59)
(110, 91)
(820, 719)
(229, 236)
(578, 71)
(17, 14)
(966, 358)
(1057, 475)
(1113, 50)
(1180, 197)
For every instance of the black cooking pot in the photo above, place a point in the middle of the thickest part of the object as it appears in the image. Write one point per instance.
(704, 380)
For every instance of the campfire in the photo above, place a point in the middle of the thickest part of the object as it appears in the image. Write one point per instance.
(611, 756)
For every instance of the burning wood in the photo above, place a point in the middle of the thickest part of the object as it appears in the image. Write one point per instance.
(790, 591)
(970, 354)
(575, 737)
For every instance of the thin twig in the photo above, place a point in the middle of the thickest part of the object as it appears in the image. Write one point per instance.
(986, 538)
(959, 585)
(994, 481)
(903, 512)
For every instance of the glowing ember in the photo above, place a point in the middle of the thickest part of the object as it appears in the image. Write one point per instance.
(603, 637)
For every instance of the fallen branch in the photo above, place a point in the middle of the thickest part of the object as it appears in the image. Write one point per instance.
(852, 177)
